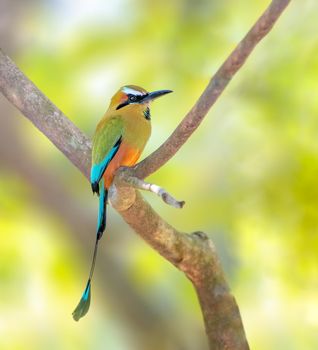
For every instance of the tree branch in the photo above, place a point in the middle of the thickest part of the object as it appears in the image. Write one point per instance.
(212, 92)
(24, 95)
(194, 254)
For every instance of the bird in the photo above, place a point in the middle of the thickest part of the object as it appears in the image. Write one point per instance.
(119, 139)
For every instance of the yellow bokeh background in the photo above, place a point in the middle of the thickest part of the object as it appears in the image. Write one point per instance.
(248, 175)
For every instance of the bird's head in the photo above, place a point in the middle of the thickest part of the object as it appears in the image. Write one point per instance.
(132, 95)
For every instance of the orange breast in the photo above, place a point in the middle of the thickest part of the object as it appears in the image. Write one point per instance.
(125, 156)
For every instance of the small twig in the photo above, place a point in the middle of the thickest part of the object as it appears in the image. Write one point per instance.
(161, 192)
(125, 177)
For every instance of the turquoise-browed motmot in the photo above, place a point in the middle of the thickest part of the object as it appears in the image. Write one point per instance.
(119, 139)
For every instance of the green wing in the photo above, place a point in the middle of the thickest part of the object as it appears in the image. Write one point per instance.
(106, 142)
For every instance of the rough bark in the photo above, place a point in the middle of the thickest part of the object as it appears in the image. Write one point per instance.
(194, 254)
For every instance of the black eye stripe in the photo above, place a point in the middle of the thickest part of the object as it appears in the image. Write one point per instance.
(135, 98)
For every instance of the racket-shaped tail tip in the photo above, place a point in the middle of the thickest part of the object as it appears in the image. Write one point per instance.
(83, 305)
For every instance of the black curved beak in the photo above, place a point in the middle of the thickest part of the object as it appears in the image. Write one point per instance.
(155, 94)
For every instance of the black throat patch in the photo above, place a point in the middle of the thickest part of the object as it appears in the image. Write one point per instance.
(147, 113)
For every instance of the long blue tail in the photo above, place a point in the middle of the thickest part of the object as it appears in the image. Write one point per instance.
(83, 306)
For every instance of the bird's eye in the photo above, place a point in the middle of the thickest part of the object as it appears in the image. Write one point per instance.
(132, 98)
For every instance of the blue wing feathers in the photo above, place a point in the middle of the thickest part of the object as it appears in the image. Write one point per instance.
(98, 170)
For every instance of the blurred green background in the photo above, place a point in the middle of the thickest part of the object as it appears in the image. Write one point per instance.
(248, 175)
